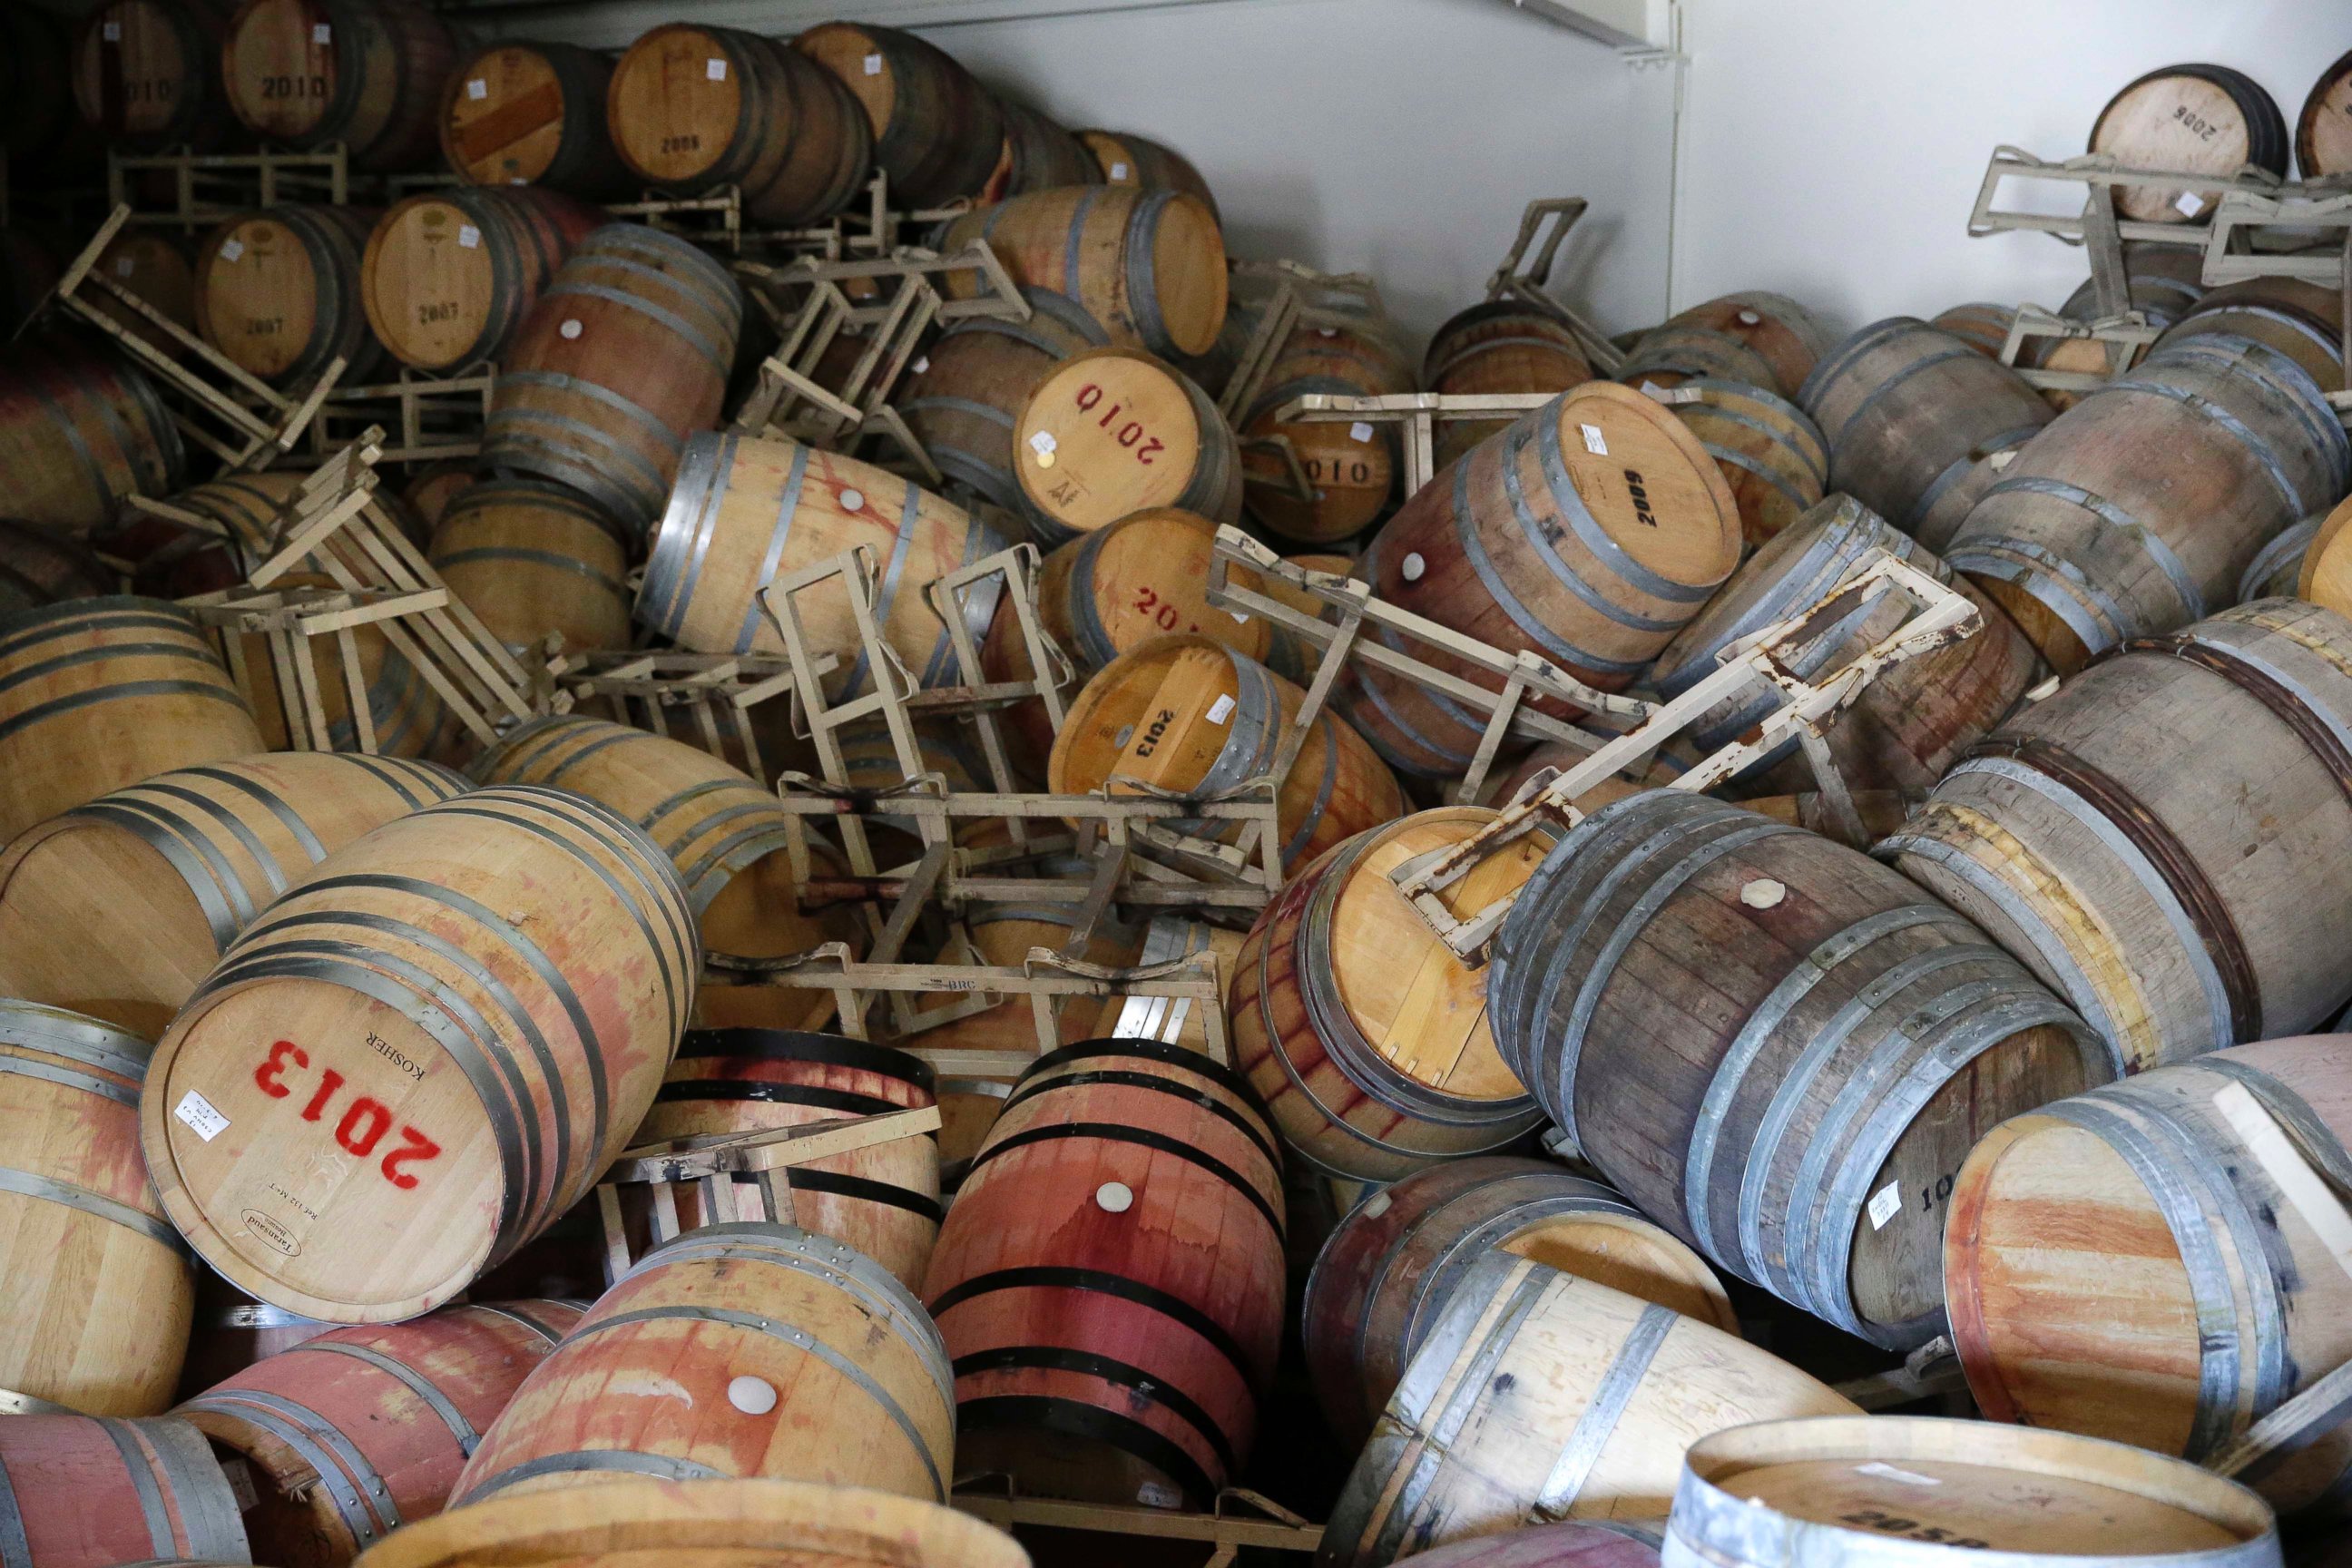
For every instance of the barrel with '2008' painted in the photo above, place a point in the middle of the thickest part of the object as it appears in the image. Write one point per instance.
(404, 1070)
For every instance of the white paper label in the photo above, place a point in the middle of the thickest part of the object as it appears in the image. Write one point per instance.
(714, 69)
(1359, 431)
(1888, 1472)
(469, 236)
(1239, 620)
(110, 31)
(1221, 710)
(1593, 441)
(1884, 1205)
(569, 330)
(1119, 171)
(2190, 204)
(874, 65)
(922, 364)
(476, 88)
(201, 1116)
(240, 1484)
(124, 267)
(1043, 443)
(322, 34)
(231, 250)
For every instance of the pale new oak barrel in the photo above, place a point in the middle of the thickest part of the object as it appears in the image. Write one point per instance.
(965, 394)
(1367, 1039)
(533, 114)
(2162, 839)
(1917, 1492)
(735, 1350)
(1776, 1046)
(483, 1052)
(2197, 119)
(633, 1522)
(98, 694)
(937, 130)
(199, 853)
(1393, 1262)
(1149, 265)
(2155, 1261)
(366, 73)
(1771, 455)
(533, 559)
(101, 1287)
(1539, 1396)
(80, 431)
(1497, 347)
(96, 1492)
(350, 1435)
(1111, 432)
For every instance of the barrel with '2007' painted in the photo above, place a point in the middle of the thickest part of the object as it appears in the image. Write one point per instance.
(407, 1068)
(1589, 533)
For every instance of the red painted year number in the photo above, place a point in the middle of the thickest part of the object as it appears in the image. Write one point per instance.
(364, 1121)
(1090, 397)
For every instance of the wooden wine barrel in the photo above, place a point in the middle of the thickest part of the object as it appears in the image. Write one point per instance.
(433, 486)
(1147, 266)
(1366, 1038)
(1187, 713)
(153, 266)
(233, 1331)
(1351, 467)
(358, 1432)
(2277, 568)
(2323, 542)
(93, 1492)
(1111, 432)
(625, 354)
(39, 568)
(2325, 574)
(2155, 839)
(1789, 338)
(234, 530)
(98, 694)
(2141, 508)
(1773, 457)
(1126, 159)
(533, 114)
(2323, 132)
(146, 74)
(1537, 1396)
(705, 1525)
(2196, 119)
(365, 73)
(2204, 1185)
(734, 1351)
(101, 1289)
(534, 559)
(1109, 1279)
(1393, 1263)
(1589, 533)
(1911, 414)
(882, 1201)
(1833, 1060)
(385, 969)
(2162, 282)
(1036, 154)
(81, 430)
(200, 853)
(969, 389)
(1681, 350)
(1908, 726)
(1002, 934)
(449, 276)
(2302, 320)
(1858, 1491)
(278, 293)
(694, 107)
(37, 107)
(937, 131)
(747, 511)
(1983, 326)
(1497, 347)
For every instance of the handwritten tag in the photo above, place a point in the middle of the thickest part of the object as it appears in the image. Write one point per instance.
(1884, 1205)
(1221, 710)
(201, 1116)
(1592, 440)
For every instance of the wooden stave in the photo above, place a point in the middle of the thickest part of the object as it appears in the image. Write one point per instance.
(577, 850)
(219, 843)
(2262, 1330)
(171, 559)
(201, 119)
(1337, 358)
(2277, 568)
(1037, 154)
(184, 711)
(1588, 1543)
(122, 1348)
(358, 1431)
(334, 240)
(2184, 906)
(1463, 358)
(1789, 339)
(540, 424)
(544, 561)
(65, 479)
(763, 1264)
(383, 112)
(1388, 1269)
(2300, 319)
(1909, 727)
(582, 163)
(1213, 486)
(2107, 513)
(1792, 1217)
(2313, 161)
(941, 137)
(1411, 1491)
(1486, 576)
(975, 380)
(94, 1491)
(2266, 145)
(1719, 1519)
(1218, 1307)
(1773, 456)
(1126, 159)
(525, 232)
(1982, 324)
(1040, 236)
(788, 176)
(1974, 409)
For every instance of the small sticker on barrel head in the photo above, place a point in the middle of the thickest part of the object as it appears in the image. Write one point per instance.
(231, 250)
(1118, 172)
(714, 69)
(110, 31)
(1414, 566)
(1883, 1205)
(1888, 1472)
(124, 267)
(469, 236)
(1221, 709)
(874, 65)
(1359, 431)
(476, 88)
(1042, 442)
(2190, 204)
(853, 500)
(320, 33)
(201, 1115)
(1592, 440)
